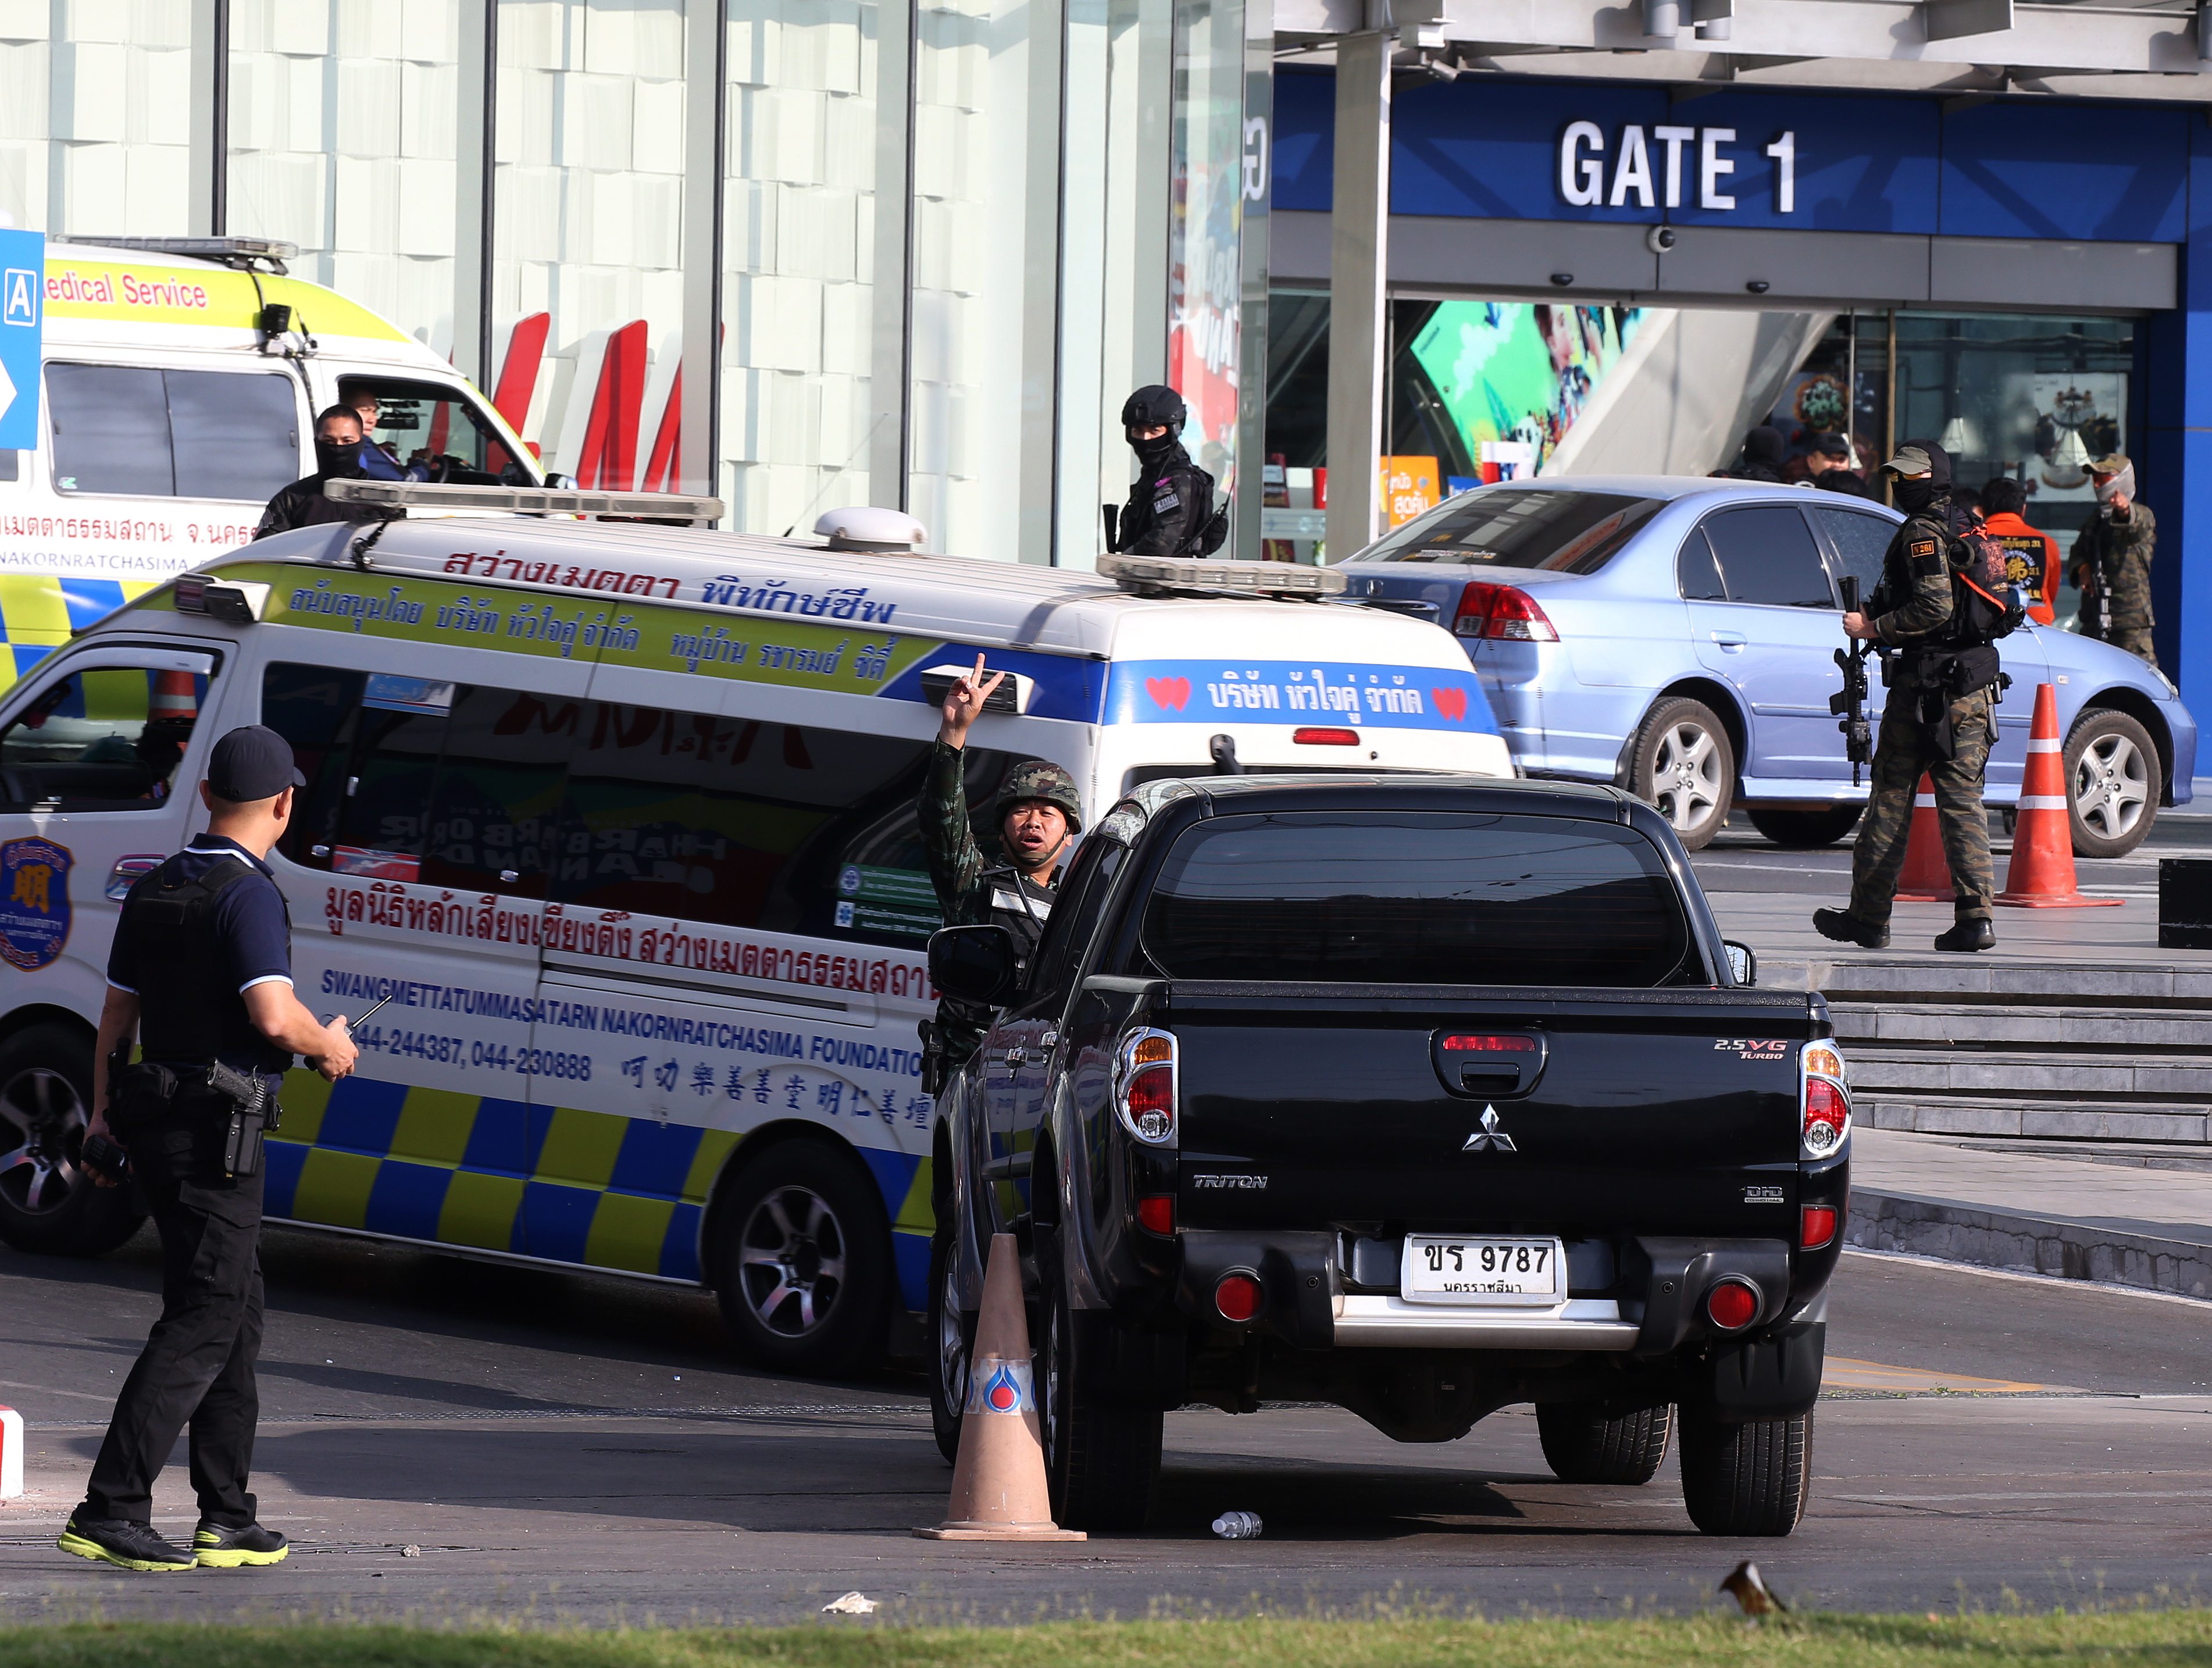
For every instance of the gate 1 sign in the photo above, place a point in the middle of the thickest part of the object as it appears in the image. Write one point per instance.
(22, 313)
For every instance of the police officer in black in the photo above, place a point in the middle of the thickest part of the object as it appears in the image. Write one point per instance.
(201, 969)
(1170, 509)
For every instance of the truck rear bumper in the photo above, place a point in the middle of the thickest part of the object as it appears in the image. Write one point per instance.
(1390, 1323)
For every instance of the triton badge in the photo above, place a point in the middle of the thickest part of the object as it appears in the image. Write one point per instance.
(1490, 1136)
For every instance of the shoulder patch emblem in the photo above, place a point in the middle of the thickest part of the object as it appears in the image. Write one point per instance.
(1921, 547)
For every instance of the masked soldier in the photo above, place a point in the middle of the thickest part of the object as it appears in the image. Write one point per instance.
(2111, 561)
(1935, 611)
(1040, 813)
(1170, 509)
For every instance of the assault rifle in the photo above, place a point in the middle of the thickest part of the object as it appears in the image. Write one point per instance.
(1850, 703)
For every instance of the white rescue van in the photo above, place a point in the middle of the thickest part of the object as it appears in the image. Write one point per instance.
(181, 378)
(623, 821)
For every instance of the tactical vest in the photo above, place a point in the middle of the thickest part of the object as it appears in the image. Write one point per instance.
(188, 1009)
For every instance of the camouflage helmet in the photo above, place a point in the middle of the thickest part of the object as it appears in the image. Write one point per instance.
(1037, 779)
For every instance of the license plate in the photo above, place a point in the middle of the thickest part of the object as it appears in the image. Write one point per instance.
(1482, 1269)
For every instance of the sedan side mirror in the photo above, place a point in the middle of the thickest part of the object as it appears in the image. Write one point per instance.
(976, 964)
(1743, 965)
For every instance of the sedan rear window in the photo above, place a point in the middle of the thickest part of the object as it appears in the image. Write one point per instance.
(1559, 529)
(1415, 898)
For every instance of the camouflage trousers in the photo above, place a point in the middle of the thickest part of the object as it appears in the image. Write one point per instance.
(1901, 757)
(2135, 639)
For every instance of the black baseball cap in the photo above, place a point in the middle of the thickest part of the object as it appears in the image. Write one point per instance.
(1832, 445)
(252, 763)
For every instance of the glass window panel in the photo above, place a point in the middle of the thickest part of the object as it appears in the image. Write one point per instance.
(1859, 541)
(436, 431)
(1767, 554)
(1566, 531)
(233, 436)
(109, 738)
(110, 429)
(1697, 573)
(498, 791)
(314, 708)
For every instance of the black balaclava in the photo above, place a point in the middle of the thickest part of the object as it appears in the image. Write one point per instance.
(1147, 407)
(340, 458)
(1915, 497)
(1764, 446)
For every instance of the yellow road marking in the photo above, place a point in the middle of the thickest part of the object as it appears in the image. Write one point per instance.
(1842, 1373)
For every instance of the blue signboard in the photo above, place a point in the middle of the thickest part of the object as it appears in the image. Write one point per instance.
(22, 319)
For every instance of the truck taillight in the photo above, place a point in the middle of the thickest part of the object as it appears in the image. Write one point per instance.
(1145, 1085)
(1819, 1226)
(1828, 1104)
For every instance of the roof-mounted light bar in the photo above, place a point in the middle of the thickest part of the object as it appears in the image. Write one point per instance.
(231, 251)
(525, 499)
(1164, 575)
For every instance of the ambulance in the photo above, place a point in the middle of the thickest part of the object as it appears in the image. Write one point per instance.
(180, 380)
(620, 822)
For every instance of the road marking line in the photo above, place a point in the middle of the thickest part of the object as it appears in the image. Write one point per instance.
(2098, 1493)
(81, 1395)
(1842, 1373)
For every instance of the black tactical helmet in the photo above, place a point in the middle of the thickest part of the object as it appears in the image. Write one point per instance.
(1037, 779)
(1154, 404)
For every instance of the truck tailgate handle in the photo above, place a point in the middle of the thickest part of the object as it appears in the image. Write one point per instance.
(1489, 1065)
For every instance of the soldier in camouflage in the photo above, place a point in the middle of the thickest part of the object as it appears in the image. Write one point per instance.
(1040, 813)
(1938, 718)
(2111, 561)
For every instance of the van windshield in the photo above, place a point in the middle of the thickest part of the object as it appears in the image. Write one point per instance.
(1415, 897)
(1560, 529)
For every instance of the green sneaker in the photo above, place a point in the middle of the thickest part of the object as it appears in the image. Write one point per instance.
(217, 1547)
(126, 1544)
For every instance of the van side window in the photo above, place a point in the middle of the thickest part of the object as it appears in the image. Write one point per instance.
(173, 434)
(109, 738)
(11, 468)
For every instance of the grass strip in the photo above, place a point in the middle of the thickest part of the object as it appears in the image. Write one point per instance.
(2137, 1638)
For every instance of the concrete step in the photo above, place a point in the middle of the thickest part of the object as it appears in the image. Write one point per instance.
(1991, 981)
(2052, 1121)
(1892, 1072)
(2029, 1026)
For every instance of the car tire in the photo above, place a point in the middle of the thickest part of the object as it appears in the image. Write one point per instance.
(48, 1202)
(2113, 783)
(1802, 830)
(1684, 764)
(803, 1262)
(1582, 1445)
(952, 1343)
(1102, 1457)
(1747, 1479)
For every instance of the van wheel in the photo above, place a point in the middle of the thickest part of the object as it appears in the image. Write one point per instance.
(1102, 1458)
(1748, 1479)
(804, 1261)
(47, 1202)
(1803, 830)
(2112, 783)
(1581, 1444)
(1685, 765)
(953, 1341)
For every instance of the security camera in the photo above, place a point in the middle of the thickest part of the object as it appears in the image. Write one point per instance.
(1659, 239)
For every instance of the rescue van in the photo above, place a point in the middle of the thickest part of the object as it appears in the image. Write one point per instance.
(180, 380)
(622, 821)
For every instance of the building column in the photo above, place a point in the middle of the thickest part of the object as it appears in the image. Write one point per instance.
(209, 165)
(2176, 480)
(706, 79)
(1358, 259)
(476, 78)
(890, 355)
(1254, 192)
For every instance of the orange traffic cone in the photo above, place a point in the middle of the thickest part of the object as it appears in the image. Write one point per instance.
(2041, 873)
(999, 1491)
(173, 699)
(1926, 876)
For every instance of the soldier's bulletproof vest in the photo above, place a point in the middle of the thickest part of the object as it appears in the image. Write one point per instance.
(189, 1008)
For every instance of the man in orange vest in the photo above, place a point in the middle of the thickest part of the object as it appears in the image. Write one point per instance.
(2030, 555)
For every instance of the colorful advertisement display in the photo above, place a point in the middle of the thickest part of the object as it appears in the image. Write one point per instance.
(1519, 372)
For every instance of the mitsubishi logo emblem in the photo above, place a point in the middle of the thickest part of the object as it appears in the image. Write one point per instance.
(1491, 1137)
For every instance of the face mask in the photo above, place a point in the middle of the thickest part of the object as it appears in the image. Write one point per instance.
(340, 457)
(1912, 497)
(2124, 482)
(1156, 450)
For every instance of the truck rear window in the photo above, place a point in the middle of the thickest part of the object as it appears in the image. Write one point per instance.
(1415, 898)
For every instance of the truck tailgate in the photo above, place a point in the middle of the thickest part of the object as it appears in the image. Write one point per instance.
(1674, 1109)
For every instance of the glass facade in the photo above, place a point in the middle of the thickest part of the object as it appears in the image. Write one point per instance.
(952, 234)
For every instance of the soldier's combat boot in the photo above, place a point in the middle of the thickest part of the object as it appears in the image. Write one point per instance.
(1973, 934)
(1847, 929)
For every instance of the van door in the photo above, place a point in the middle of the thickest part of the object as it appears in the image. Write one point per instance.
(416, 866)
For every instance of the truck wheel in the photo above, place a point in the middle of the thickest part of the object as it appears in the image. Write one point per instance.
(1581, 1444)
(803, 1262)
(1748, 1479)
(1102, 1458)
(1803, 830)
(2111, 784)
(47, 1203)
(1685, 766)
(952, 1340)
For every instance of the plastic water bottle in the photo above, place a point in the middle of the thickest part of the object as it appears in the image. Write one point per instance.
(1237, 1525)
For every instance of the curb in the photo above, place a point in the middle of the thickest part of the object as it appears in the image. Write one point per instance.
(1953, 1231)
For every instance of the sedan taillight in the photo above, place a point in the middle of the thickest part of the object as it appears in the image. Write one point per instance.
(1504, 612)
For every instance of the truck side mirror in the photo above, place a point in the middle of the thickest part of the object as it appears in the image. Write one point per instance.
(1743, 965)
(976, 964)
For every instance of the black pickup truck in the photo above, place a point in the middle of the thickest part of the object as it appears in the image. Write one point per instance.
(1421, 1095)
